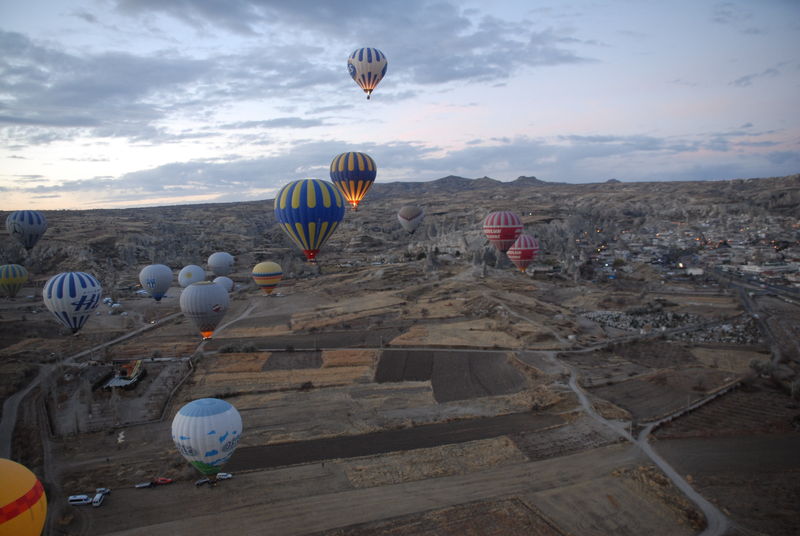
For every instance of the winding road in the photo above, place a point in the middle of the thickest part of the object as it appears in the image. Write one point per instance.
(717, 522)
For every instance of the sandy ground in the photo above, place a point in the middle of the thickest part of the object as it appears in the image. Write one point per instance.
(311, 498)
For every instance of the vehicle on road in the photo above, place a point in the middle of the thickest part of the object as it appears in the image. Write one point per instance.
(219, 476)
(98, 499)
(79, 499)
(159, 481)
(104, 491)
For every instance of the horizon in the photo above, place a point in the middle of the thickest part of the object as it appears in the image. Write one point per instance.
(124, 104)
(545, 183)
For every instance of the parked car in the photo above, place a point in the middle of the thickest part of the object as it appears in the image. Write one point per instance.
(98, 499)
(162, 480)
(208, 480)
(104, 491)
(144, 485)
(79, 499)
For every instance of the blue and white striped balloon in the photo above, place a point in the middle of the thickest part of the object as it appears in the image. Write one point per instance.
(206, 432)
(367, 66)
(27, 226)
(72, 297)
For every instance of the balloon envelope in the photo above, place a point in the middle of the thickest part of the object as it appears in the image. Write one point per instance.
(309, 211)
(156, 279)
(12, 277)
(27, 226)
(367, 66)
(410, 217)
(353, 174)
(221, 263)
(267, 275)
(205, 303)
(523, 252)
(226, 282)
(206, 432)
(23, 504)
(191, 274)
(72, 297)
(502, 229)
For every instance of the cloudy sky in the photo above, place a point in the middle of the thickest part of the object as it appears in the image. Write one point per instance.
(112, 103)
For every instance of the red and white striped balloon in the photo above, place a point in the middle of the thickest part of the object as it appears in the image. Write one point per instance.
(502, 229)
(523, 252)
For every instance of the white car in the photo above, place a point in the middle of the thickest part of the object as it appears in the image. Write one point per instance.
(98, 499)
(79, 499)
(224, 476)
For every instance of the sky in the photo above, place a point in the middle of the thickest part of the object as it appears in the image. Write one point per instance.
(119, 103)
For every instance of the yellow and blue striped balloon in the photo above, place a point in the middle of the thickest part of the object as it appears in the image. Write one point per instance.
(309, 211)
(353, 173)
(12, 277)
(267, 275)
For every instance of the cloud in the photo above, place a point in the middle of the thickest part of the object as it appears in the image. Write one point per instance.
(280, 122)
(730, 13)
(53, 95)
(570, 158)
(429, 42)
(747, 80)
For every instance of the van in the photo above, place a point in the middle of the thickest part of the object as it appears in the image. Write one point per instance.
(79, 499)
(98, 499)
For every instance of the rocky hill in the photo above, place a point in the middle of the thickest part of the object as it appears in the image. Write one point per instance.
(113, 244)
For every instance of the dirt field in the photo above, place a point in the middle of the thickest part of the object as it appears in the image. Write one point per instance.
(510, 517)
(755, 478)
(316, 498)
(667, 392)
(730, 358)
(753, 408)
(395, 439)
(453, 375)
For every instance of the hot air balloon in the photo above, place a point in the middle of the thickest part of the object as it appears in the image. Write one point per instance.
(410, 216)
(353, 174)
(156, 279)
(206, 432)
(226, 282)
(523, 251)
(267, 275)
(309, 210)
(191, 274)
(72, 297)
(23, 504)
(221, 263)
(502, 229)
(367, 66)
(27, 226)
(12, 277)
(205, 303)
